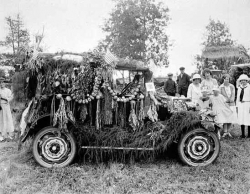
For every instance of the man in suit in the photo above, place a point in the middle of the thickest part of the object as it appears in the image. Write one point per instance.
(183, 81)
(170, 86)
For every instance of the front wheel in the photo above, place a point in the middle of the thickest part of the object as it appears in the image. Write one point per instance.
(199, 147)
(53, 148)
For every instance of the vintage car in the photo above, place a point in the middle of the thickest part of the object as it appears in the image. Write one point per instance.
(76, 108)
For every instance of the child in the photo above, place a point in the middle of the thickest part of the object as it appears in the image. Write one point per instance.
(243, 104)
(224, 114)
(203, 102)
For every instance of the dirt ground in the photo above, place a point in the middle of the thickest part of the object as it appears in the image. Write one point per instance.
(20, 174)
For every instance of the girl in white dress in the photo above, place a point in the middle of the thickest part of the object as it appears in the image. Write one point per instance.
(6, 121)
(243, 104)
(194, 89)
(224, 114)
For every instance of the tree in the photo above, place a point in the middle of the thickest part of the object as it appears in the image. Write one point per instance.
(217, 34)
(137, 29)
(18, 36)
(219, 50)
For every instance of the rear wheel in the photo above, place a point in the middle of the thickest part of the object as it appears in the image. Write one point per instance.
(53, 148)
(199, 147)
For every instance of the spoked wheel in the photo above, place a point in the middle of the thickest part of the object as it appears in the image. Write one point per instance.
(52, 148)
(199, 147)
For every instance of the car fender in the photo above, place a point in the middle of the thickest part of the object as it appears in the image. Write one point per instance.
(31, 128)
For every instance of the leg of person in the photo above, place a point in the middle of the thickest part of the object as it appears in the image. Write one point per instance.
(228, 129)
(180, 91)
(248, 135)
(242, 131)
(1, 137)
(185, 91)
(224, 130)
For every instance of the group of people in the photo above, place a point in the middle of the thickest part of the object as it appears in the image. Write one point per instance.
(206, 93)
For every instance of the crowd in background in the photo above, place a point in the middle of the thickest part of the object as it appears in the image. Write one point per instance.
(206, 93)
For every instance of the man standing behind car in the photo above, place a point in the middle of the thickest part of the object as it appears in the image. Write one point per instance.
(170, 86)
(183, 81)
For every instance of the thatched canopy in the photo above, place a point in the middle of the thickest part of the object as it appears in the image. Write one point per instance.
(241, 65)
(221, 52)
(121, 64)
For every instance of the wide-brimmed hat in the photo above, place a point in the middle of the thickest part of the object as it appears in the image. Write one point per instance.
(216, 88)
(196, 76)
(170, 74)
(182, 68)
(2, 79)
(204, 90)
(243, 77)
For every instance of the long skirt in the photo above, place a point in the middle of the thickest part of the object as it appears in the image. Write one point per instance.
(244, 113)
(235, 116)
(6, 120)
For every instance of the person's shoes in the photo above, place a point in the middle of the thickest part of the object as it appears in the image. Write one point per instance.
(226, 134)
(1, 138)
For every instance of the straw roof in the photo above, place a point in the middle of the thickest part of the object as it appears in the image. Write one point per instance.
(241, 65)
(219, 52)
(121, 64)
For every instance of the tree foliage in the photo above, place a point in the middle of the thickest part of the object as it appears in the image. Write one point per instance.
(18, 36)
(217, 34)
(137, 29)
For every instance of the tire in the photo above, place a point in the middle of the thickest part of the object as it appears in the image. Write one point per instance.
(54, 149)
(199, 147)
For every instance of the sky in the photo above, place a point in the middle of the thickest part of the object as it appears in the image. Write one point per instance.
(75, 25)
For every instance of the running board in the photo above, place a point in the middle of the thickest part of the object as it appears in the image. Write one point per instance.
(116, 148)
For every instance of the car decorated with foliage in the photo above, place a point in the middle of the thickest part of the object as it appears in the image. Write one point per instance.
(75, 107)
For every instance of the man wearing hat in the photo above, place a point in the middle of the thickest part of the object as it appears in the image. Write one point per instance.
(183, 81)
(6, 121)
(170, 86)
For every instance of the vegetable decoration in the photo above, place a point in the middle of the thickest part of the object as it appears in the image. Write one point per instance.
(60, 117)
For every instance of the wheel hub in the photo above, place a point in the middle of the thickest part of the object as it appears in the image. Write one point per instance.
(54, 148)
(198, 147)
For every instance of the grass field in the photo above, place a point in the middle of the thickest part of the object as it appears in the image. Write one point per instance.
(19, 173)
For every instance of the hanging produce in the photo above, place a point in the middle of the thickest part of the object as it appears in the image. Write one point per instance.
(133, 121)
(60, 116)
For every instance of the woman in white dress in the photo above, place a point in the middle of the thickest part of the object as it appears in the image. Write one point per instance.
(243, 104)
(194, 89)
(208, 82)
(228, 91)
(6, 121)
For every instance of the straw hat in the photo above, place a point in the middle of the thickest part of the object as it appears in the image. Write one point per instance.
(216, 88)
(204, 90)
(170, 74)
(243, 77)
(196, 76)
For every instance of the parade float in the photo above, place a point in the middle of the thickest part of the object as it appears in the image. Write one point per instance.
(74, 107)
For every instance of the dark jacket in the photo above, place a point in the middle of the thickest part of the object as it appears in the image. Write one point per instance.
(170, 86)
(184, 81)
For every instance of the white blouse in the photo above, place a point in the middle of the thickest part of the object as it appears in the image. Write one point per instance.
(194, 92)
(5, 93)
